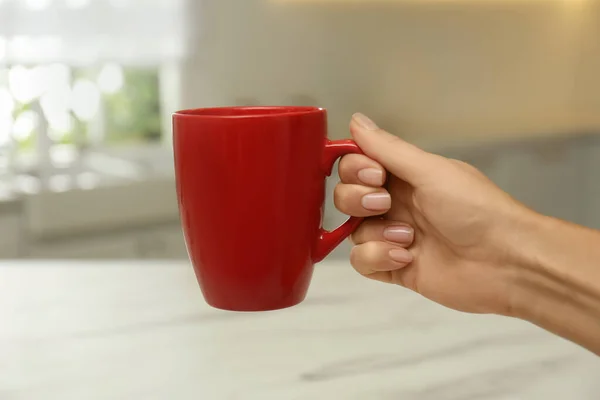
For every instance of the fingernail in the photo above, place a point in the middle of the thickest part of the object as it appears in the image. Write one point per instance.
(371, 176)
(399, 234)
(365, 122)
(377, 201)
(401, 255)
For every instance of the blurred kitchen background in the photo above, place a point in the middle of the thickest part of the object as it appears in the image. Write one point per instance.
(87, 88)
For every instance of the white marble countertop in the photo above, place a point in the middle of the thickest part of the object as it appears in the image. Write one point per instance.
(116, 330)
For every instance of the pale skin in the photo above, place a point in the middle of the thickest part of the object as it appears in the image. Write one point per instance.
(441, 228)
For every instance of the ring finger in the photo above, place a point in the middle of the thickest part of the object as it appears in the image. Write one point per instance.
(383, 230)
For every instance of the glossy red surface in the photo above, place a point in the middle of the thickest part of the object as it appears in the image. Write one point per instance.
(251, 188)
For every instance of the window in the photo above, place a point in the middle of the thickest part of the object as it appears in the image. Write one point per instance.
(77, 75)
(123, 101)
(133, 113)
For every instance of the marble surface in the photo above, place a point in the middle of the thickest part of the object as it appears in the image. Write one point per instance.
(116, 330)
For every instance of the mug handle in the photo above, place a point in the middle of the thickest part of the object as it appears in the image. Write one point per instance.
(329, 240)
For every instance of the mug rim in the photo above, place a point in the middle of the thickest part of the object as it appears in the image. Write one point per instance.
(243, 112)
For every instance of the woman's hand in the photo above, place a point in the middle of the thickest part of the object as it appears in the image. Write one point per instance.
(460, 228)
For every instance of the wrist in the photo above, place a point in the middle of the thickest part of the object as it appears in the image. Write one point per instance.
(556, 279)
(537, 277)
(531, 270)
(518, 244)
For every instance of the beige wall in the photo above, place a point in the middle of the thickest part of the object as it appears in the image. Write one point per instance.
(419, 67)
(587, 88)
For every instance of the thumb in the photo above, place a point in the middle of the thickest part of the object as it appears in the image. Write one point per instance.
(404, 160)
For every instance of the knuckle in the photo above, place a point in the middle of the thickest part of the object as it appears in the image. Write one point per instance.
(343, 197)
(462, 164)
(349, 164)
(391, 139)
(345, 162)
(340, 195)
(354, 258)
(369, 230)
(370, 252)
(408, 278)
(356, 236)
(342, 168)
(362, 257)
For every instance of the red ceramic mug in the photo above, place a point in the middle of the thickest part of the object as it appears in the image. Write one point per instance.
(251, 188)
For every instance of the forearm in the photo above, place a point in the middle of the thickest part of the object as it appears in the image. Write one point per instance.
(558, 283)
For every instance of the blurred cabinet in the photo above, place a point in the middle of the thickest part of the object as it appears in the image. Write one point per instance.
(554, 177)
(96, 247)
(546, 175)
(162, 242)
(11, 233)
(590, 154)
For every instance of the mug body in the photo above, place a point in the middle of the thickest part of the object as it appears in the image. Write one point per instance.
(250, 186)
